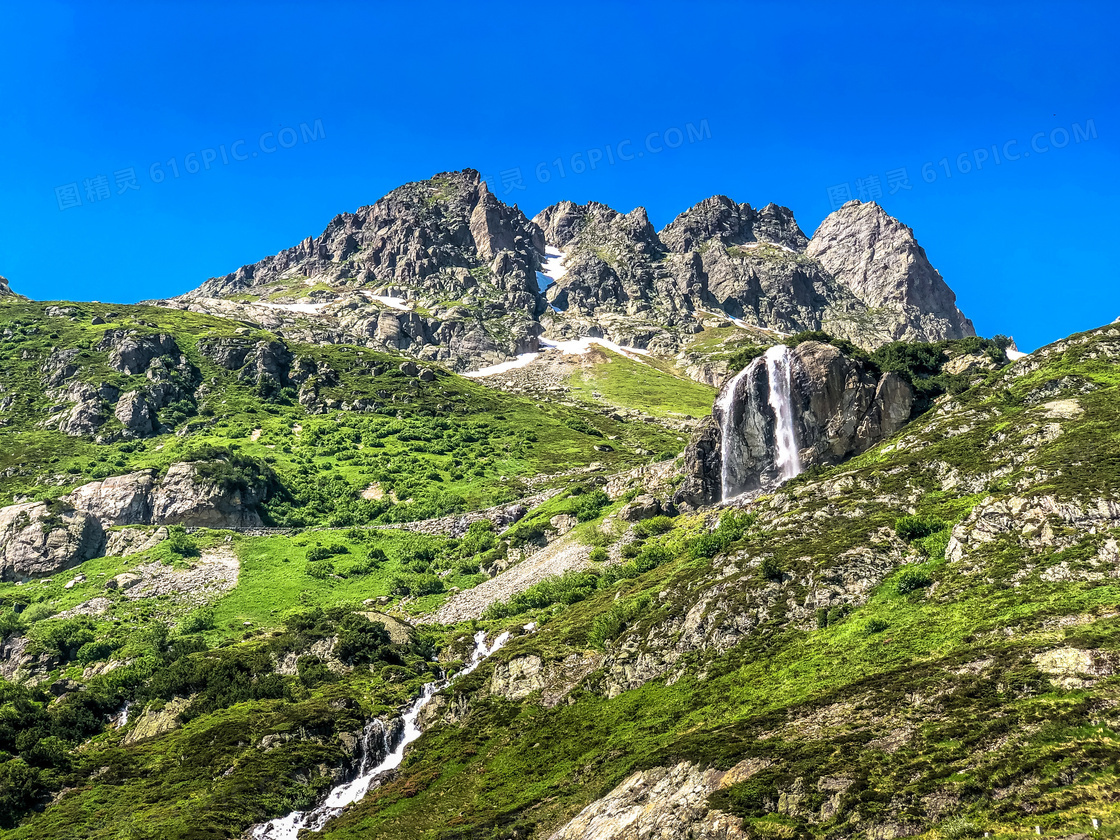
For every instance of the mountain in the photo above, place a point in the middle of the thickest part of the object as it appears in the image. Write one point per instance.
(276, 557)
(444, 271)
(5, 288)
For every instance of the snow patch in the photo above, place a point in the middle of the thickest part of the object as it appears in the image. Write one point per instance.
(391, 302)
(553, 267)
(1015, 355)
(519, 362)
(583, 345)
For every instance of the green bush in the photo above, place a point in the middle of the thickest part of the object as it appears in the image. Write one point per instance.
(322, 552)
(771, 570)
(654, 526)
(599, 555)
(910, 528)
(591, 506)
(911, 579)
(875, 625)
(614, 622)
(180, 542)
(632, 550)
(957, 828)
(198, 622)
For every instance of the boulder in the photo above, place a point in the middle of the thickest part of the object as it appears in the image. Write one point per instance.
(183, 498)
(123, 581)
(118, 500)
(131, 352)
(136, 415)
(40, 538)
(642, 507)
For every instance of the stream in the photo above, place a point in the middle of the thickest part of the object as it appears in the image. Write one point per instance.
(375, 742)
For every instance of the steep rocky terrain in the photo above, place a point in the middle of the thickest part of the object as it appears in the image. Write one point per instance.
(444, 271)
(267, 555)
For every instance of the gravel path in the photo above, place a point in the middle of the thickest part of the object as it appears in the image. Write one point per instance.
(557, 557)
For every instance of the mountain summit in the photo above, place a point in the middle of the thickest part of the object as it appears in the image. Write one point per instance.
(442, 270)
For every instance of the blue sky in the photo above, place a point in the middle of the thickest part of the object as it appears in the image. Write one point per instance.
(338, 103)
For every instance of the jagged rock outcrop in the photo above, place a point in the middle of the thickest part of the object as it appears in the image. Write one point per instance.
(136, 415)
(6, 289)
(440, 269)
(444, 271)
(41, 538)
(840, 408)
(879, 260)
(185, 498)
(662, 802)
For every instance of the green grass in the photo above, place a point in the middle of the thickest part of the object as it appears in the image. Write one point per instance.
(646, 385)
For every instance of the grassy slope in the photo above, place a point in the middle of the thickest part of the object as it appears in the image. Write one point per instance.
(1007, 747)
(998, 741)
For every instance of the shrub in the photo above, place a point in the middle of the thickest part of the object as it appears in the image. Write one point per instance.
(198, 621)
(631, 550)
(875, 625)
(614, 622)
(912, 579)
(180, 542)
(322, 552)
(956, 828)
(591, 506)
(599, 555)
(320, 570)
(654, 526)
(911, 528)
(771, 570)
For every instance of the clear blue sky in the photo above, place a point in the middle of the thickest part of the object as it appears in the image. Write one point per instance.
(797, 99)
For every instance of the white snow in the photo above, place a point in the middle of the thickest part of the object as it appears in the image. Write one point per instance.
(554, 267)
(575, 347)
(583, 345)
(1015, 355)
(519, 362)
(391, 302)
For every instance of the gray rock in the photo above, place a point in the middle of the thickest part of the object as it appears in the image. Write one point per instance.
(880, 261)
(136, 415)
(37, 538)
(642, 507)
(131, 352)
(840, 409)
(118, 500)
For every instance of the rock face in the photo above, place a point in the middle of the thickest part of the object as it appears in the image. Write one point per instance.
(839, 408)
(444, 271)
(661, 802)
(38, 538)
(424, 244)
(5, 288)
(880, 261)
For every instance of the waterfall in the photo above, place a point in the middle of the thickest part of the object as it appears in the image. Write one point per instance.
(288, 827)
(726, 404)
(779, 372)
(778, 361)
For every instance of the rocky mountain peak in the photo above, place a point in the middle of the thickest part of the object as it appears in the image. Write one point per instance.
(5, 288)
(880, 261)
(720, 218)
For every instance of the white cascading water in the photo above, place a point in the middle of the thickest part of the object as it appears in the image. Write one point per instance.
(779, 376)
(779, 372)
(289, 827)
(726, 404)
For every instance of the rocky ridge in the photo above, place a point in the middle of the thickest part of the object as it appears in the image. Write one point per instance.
(444, 271)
